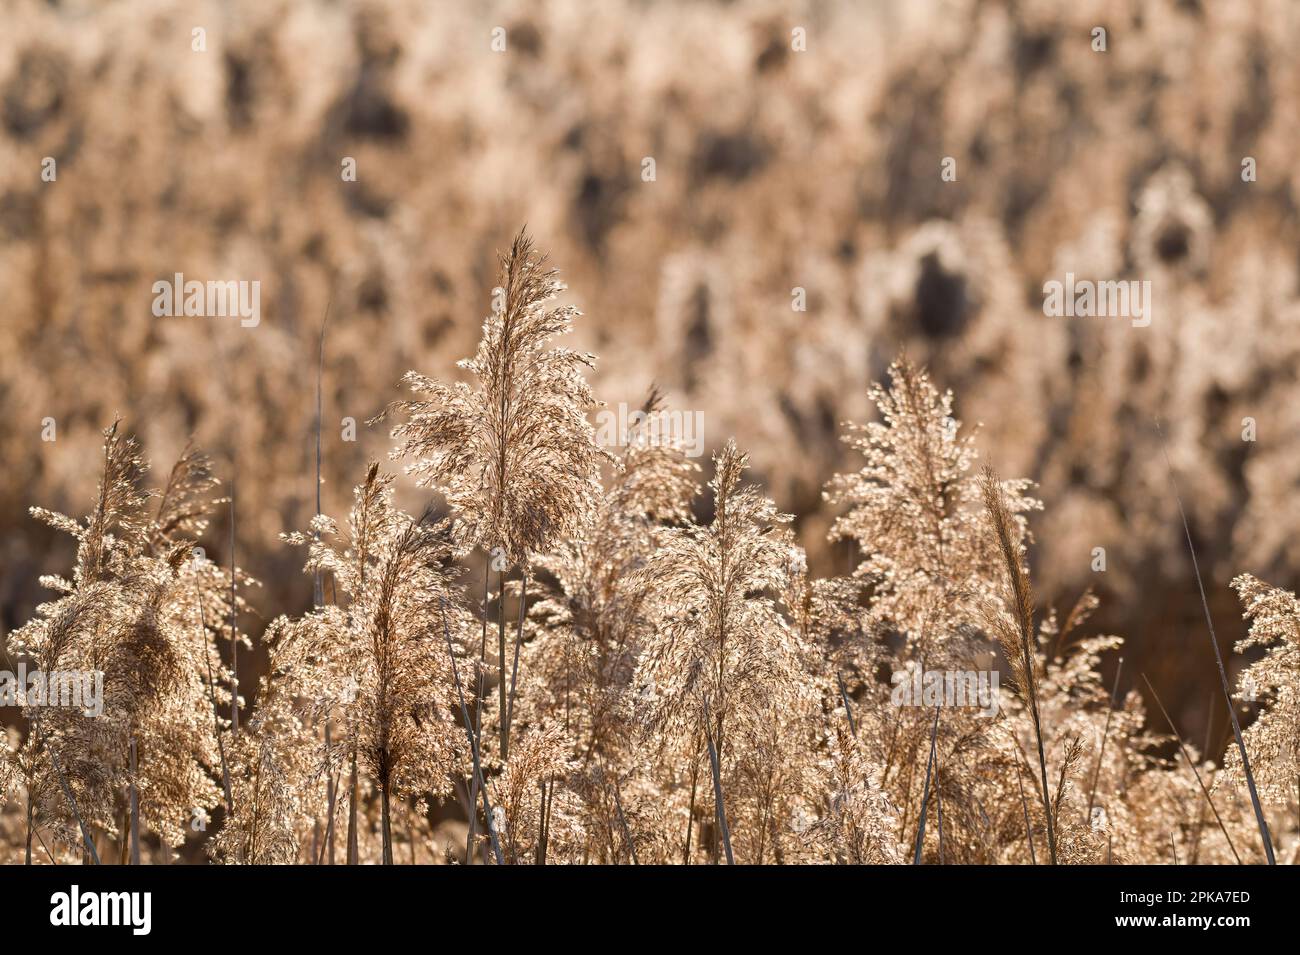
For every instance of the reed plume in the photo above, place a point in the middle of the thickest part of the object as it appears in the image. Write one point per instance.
(379, 658)
(513, 452)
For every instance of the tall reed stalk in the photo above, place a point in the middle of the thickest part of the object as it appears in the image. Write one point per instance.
(1264, 836)
(1022, 653)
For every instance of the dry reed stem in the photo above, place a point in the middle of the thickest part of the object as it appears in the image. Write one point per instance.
(1218, 658)
(1187, 757)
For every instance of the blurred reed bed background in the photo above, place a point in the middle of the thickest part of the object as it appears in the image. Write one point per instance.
(775, 169)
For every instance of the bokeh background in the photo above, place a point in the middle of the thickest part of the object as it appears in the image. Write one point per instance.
(774, 169)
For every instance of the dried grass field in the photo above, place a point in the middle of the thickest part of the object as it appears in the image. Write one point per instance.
(649, 433)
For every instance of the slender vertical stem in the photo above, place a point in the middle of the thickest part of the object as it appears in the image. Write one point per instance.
(478, 711)
(925, 792)
(1042, 757)
(354, 792)
(386, 824)
(482, 653)
(1218, 659)
(995, 503)
(234, 621)
(331, 798)
(546, 818)
(938, 801)
(519, 639)
(1188, 758)
(319, 584)
(257, 807)
(501, 666)
(135, 807)
(30, 813)
(541, 822)
(1101, 750)
(473, 745)
(718, 802)
(690, 816)
(410, 826)
(1029, 831)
